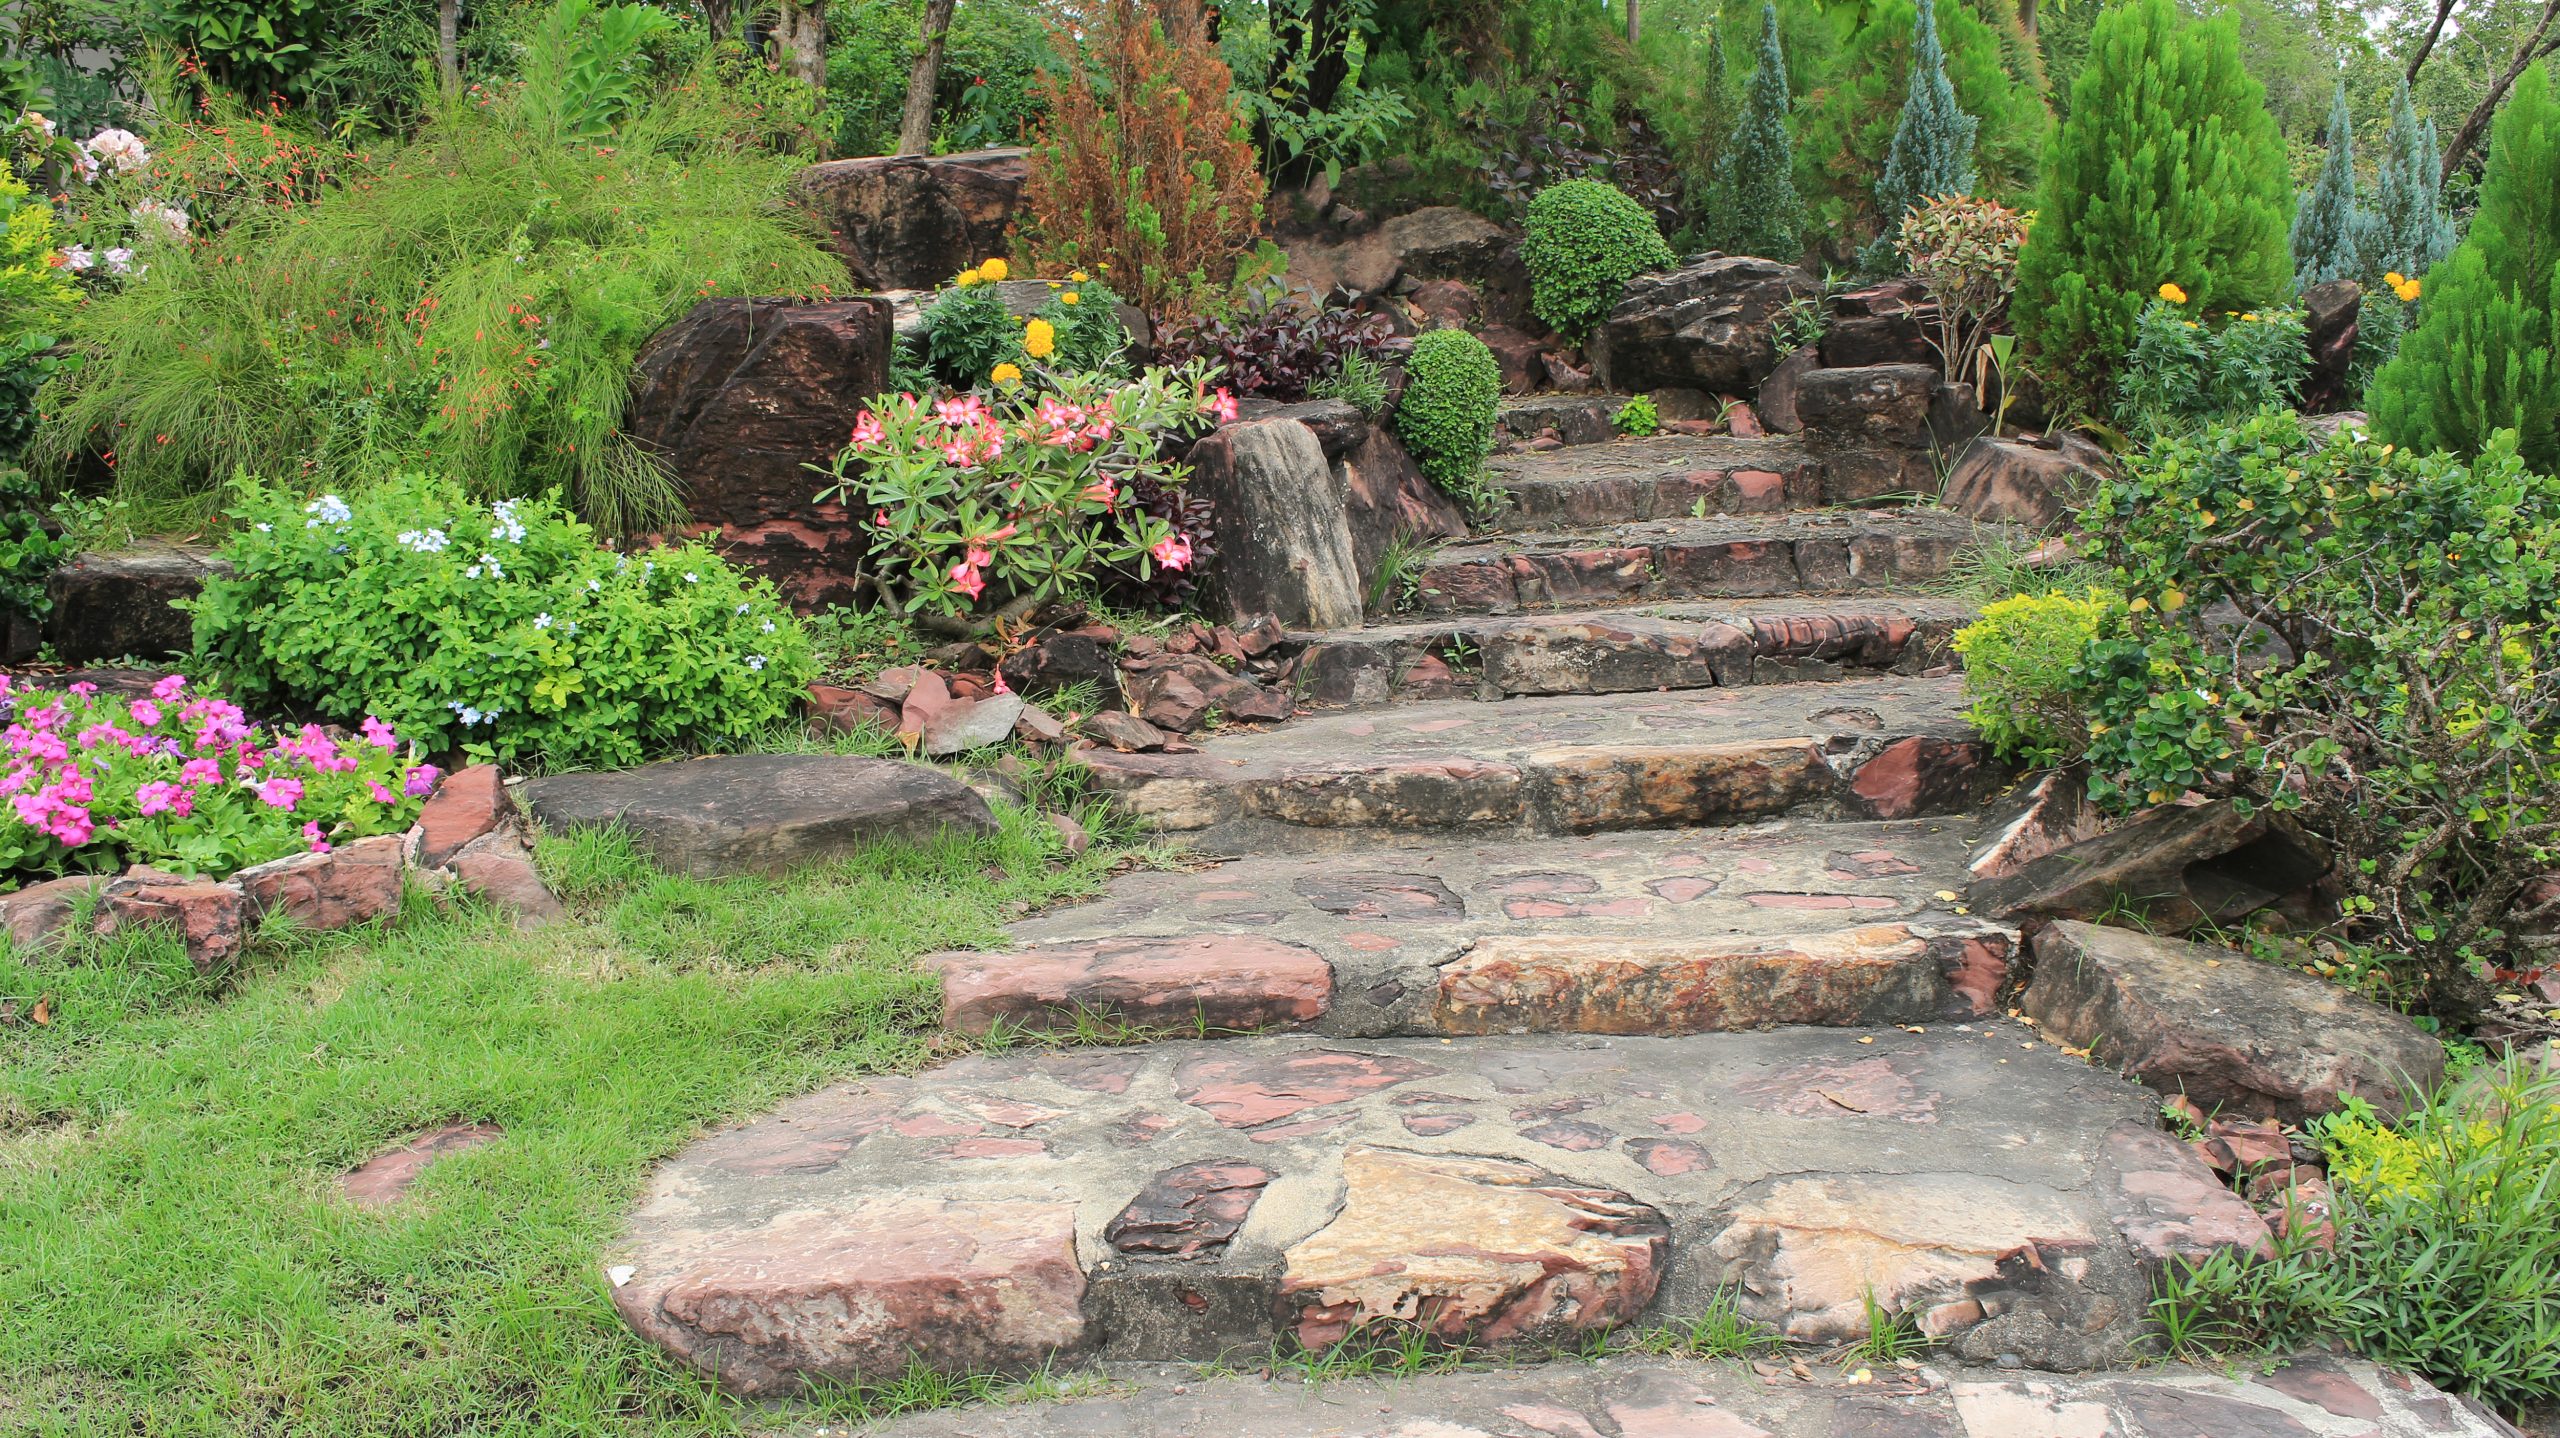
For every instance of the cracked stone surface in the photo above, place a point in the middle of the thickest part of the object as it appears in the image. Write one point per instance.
(2311, 1396)
(1648, 932)
(1187, 1199)
(1660, 477)
(1865, 748)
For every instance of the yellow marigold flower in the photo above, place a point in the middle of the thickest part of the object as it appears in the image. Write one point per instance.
(994, 269)
(967, 277)
(2407, 290)
(1078, 276)
(1039, 339)
(2251, 316)
(2173, 294)
(1006, 373)
(2395, 279)
(1071, 298)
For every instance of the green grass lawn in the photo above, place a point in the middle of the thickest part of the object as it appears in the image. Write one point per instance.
(175, 1256)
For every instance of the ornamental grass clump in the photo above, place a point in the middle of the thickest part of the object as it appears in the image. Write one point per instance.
(982, 506)
(183, 781)
(500, 630)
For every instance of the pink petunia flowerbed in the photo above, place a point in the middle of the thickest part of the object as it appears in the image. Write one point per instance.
(182, 781)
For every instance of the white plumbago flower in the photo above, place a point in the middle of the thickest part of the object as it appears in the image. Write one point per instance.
(755, 661)
(266, 528)
(508, 527)
(465, 712)
(424, 541)
(542, 621)
(495, 572)
(327, 509)
(743, 608)
(594, 584)
(571, 629)
(692, 578)
(471, 573)
(768, 626)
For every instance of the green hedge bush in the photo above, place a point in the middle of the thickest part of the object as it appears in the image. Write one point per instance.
(1584, 240)
(1452, 387)
(503, 629)
(2018, 662)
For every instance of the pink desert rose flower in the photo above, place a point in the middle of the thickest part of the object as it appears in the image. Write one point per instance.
(1173, 551)
(1102, 492)
(866, 430)
(967, 580)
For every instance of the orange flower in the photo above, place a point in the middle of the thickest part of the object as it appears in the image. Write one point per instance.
(1039, 339)
(2173, 294)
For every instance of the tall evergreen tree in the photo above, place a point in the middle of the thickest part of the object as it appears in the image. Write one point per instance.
(1754, 209)
(1932, 150)
(2329, 229)
(2411, 230)
(2486, 353)
(2170, 170)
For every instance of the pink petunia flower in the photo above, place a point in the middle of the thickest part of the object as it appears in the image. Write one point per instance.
(145, 713)
(379, 734)
(279, 793)
(311, 836)
(421, 781)
(169, 687)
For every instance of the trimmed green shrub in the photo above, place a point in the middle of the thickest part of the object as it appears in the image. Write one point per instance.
(1638, 417)
(2169, 170)
(2018, 661)
(1753, 207)
(1932, 152)
(501, 630)
(2411, 230)
(1584, 241)
(2329, 229)
(2485, 355)
(1452, 386)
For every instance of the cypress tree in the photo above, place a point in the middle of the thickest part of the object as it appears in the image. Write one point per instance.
(2329, 229)
(1755, 210)
(2482, 357)
(2170, 170)
(2410, 231)
(1932, 150)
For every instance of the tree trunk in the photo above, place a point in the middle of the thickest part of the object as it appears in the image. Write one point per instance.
(2027, 26)
(1631, 21)
(2534, 46)
(915, 127)
(800, 41)
(449, 43)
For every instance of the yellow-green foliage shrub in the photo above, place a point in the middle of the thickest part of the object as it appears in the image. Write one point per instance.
(2017, 672)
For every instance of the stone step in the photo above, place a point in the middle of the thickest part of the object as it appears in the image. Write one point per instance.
(1575, 418)
(1667, 476)
(1691, 931)
(1622, 651)
(1199, 1199)
(1740, 556)
(1862, 748)
(1629, 1395)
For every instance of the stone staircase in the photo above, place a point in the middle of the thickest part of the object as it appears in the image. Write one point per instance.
(1587, 952)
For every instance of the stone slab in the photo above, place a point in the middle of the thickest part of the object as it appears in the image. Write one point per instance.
(1882, 748)
(1659, 477)
(764, 813)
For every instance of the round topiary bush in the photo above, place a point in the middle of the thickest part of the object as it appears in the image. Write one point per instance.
(1586, 240)
(1451, 386)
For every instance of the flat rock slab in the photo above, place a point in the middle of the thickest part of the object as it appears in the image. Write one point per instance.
(2316, 1396)
(1651, 932)
(1800, 552)
(1218, 1196)
(761, 813)
(1872, 748)
(1690, 645)
(2235, 1035)
(1665, 476)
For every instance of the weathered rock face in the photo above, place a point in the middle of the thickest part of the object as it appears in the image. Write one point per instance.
(210, 919)
(353, 883)
(1188, 1212)
(856, 1295)
(109, 605)
(2230, 1033)
(2039, 483)
(498, 870)
(2168, 1206)
(2182, 865)
(1224, 982)
(762, 813)
(1776, 400)
(1705, 325)
(39, 915)
(469, 803)
(1541, 1258)
(1284, 544)
(906, 222)
(1388, 498)
(738, 397)
(1887, 323)
(2330, 313)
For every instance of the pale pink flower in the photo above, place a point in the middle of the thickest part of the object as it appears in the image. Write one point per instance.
(1173, 551)
(280, 793)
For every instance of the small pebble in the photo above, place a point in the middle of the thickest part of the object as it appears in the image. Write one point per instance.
(2008, 1360)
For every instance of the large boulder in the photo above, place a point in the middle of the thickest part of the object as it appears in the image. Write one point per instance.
(903, 222)
(1871, 424)
(106, 606)
(1388, 499)
(2180, 866)
(761, 813)
(1284, 542)
(1707, 325)
(2330, 315)
(2038, 483)
(738, 397)
(2232, 1034)
(1887, 323)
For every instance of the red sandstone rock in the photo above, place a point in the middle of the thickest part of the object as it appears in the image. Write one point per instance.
(469, 803)
(1221, 981)
(37, 916)
(499, 869)
(210, 918)
(354, 883)
(836, 710)
(385, 1178)
(1188, 1212)
(2167, 1205)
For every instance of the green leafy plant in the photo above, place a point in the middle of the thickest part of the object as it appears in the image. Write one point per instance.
(1965, 252)
(259, 46)
(2018, 672)
(469, 301)
(2446, 1259)
(502, 630)
(1583, 241)
(585, 70)
(2396, 689)
(970, 334)
(1299, 77)
(1357, 380)
(29, 553)
(1638, 416)
(2185, 371)
(2168, 168)
(1452, 390)
(979, 507)
(2485, 355)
